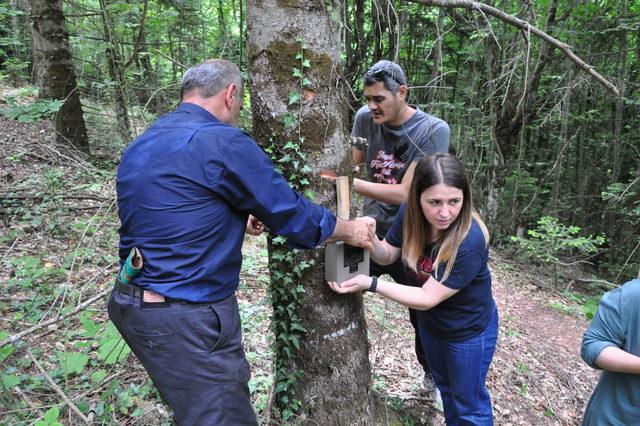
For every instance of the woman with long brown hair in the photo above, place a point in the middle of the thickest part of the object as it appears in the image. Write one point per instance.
(444, 243)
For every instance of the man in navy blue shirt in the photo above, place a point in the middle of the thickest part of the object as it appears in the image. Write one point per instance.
(186, 189)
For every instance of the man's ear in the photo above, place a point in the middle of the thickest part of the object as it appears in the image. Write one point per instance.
(403, 90)
(231, 95)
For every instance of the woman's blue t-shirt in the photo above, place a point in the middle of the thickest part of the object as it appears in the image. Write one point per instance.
(465, 314)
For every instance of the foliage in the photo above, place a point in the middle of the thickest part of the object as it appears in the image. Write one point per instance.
(552, 241)
(288, 266)
(29, 113)
(50, 418)
(576, 141)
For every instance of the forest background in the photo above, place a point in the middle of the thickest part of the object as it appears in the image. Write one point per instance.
(553, 151)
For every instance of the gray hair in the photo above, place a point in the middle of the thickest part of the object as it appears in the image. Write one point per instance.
(210, 77)
(387, 72)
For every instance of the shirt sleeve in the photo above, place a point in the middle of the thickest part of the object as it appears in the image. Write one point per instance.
(440, 137)
(466, 267)
(394, 234)
(606, 328)
(471, 258)
(249, 182)
(359, 124)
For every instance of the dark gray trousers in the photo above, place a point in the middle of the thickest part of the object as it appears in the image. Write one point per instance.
(194, 355)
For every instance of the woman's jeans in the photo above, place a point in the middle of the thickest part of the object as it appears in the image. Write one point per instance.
(460, 371)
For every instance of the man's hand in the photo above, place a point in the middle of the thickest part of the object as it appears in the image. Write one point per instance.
(356, 233)
(254, 226)
(371, 223)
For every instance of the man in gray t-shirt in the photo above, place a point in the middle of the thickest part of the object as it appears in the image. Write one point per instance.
(397, 136)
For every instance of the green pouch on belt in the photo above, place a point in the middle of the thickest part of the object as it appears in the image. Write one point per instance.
(131, 266)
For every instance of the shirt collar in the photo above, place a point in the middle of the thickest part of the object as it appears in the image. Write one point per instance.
(196, 109)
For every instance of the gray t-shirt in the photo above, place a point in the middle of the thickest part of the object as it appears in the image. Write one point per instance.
(392, 149)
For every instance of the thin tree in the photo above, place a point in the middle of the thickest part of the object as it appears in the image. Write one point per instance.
(55, 71)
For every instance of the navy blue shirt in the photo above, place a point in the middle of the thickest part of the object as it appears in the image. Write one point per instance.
(465, 314)
(185, 189)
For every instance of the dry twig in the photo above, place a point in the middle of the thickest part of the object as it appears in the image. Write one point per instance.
(57, 388)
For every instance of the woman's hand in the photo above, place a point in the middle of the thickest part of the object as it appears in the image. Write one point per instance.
(360, 282)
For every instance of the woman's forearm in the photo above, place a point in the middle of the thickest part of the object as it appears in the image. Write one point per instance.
(382, 253)
(422, 298)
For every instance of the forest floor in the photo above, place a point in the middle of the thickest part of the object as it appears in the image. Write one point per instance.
(58, 239)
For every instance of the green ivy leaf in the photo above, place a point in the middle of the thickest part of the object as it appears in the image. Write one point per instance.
(296, 72)
(294, 97)
(291, 145)
(6, 350)
(74, 362)
(112, 347)
(289, 120)
(9, 381)
(90, 327)
(51, 416)
(306, 63)
(98, 376)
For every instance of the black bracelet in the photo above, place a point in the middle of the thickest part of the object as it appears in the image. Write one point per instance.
(374, 284)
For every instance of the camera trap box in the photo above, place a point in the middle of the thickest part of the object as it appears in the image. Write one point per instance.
(343, 262)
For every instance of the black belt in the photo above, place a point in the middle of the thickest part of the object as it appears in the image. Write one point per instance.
(136, 292)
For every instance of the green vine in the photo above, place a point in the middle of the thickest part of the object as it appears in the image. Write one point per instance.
(287, 265)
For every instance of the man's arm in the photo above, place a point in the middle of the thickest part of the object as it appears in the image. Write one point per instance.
(616, 360)
(357, 155)
(390, 194)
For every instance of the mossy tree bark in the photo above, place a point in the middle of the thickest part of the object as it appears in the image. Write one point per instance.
(56, 73)
(334, 387)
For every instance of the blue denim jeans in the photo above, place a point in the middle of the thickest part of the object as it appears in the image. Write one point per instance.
(460, 371)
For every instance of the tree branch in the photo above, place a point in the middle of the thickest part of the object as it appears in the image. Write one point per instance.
(524, 25)
(20, 335)
(138, 42)
(57, 388)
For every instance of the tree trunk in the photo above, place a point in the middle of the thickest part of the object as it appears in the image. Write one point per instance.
(436, 72)
(333, 352)
(617, 128)
(116, 73)
(56, 72)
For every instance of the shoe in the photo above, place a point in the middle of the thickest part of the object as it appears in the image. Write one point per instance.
(437, 400)
(428, 384)
(430, 387)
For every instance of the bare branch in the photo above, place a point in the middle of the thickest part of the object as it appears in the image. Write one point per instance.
(20, 335)
(57, 389)
(526, 26)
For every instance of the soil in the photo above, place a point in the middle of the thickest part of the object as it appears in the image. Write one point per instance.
(537, 376)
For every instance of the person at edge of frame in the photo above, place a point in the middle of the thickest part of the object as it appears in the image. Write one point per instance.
(612, 344)
(188, 187)
(397, 135)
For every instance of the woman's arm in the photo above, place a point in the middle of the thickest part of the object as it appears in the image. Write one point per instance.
(422, 298)
(382, 252)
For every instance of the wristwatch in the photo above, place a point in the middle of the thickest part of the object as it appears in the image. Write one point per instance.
(374, 285)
